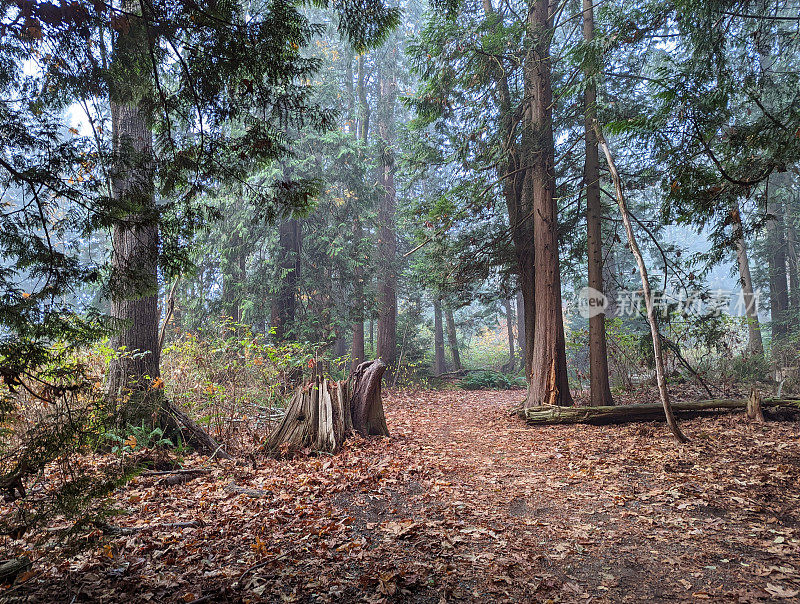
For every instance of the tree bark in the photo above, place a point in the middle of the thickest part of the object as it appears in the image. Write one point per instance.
(134, 256)
(365, 402)
(284, 306)
(362, 133)
(548, 383)
(438, 339)
(452, 338)
(648, 298)
(599, 388)
(754, 344)
(619, 414)
(511, 173)
(776, 259)
(387, 238)
(512, 361)
(521, 326)
(793, 267)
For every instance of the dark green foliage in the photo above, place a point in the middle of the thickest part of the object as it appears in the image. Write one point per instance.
(490, 380)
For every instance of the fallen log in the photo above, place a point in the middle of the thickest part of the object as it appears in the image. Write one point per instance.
(9, 569)
(620, 414)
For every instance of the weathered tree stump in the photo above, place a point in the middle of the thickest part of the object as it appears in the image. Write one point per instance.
(323, 413)
(753, 409)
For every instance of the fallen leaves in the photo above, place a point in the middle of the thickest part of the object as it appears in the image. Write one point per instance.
(465, 502)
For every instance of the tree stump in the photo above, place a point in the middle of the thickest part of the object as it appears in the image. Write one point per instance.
(753, 409)
(323, 413)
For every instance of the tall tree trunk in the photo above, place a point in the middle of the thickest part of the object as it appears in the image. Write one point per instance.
(387, 239)
(372, 336)
(357, 353)
(438, 339)
(548, 384)
(754, 344)
(134, 259)
(599, 388)
(284, 306)
(648, 298)
(793, 267)
(776, 258)
(511, 172)
(521, 326)
(452, 338)
(512, 360)
(362, 132)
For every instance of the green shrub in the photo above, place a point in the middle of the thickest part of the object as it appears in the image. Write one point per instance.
(490, 380)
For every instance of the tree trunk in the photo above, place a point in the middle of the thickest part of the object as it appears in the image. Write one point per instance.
(357, 353)
(793, 267)
(754, 343)
(510, 329)
(284, 306)
(363, 106)
(511, 172)
(548, 383)
(387, 239)
(599, 388)
(776, 258)
(648, 298)
(521, 326)
(134, 256)
(366, 405)
(362, 132)
(452, 338)
(438, 339)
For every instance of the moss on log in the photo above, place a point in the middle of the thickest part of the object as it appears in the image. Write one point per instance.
(619, 414)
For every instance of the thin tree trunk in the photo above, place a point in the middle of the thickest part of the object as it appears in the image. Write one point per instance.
(452, 338)
(284, 305)
(438, 339)
(521, 326)
(134, 258)
(363, 106)
(362, 132)
(357, 353)
(776, 258)
(754, 344)
(510, 329)
(793, 267)
(387, 239)
(648, 298)
(548, 384)
(599, 388)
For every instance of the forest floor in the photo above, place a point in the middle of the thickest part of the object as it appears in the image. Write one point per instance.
(464, 503)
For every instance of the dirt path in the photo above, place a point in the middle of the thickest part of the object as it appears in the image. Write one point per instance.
(466, 503)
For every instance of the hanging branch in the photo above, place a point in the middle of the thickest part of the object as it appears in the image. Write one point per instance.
(648, 298)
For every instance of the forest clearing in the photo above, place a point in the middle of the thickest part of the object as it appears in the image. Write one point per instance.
(399, 300)
(465, 503)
